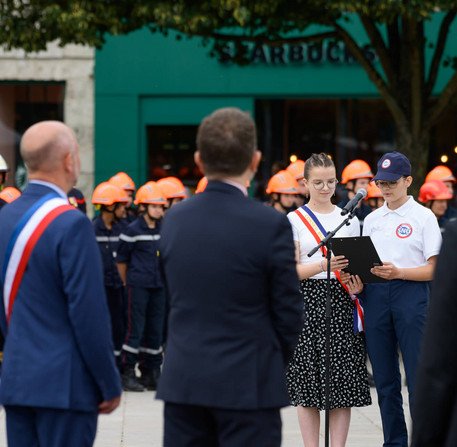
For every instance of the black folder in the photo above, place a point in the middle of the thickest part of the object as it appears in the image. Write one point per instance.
(361, 254)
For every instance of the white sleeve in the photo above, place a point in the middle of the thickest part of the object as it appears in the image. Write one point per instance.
(354, 228)
(293, 223)
(431, 237)
(366, 227)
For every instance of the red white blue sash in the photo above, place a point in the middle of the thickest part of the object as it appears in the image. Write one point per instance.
(318, 232)
(25, 236)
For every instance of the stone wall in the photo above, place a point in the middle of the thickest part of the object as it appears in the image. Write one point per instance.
(73, 65)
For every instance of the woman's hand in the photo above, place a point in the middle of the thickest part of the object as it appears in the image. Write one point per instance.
(387, 271)
(354, 284)
(336, 263)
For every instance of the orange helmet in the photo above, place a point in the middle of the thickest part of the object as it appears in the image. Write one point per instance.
(106, 194)
(356, 169)
(296, 169)
(283, 183)
(9, 194)
(150, 193)
(122, 180)
(373, 191)
(442, 173)
(434, 190)
(172, 187)
(201, 185)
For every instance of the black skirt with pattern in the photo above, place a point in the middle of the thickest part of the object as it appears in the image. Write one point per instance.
(306, 370)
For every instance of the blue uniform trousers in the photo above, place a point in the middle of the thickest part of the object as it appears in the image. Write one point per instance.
(395, 314)
(144, 332)
(48, 427)
(115, 299)
(196, 426)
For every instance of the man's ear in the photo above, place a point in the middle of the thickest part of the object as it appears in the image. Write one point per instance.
(257, 156)
(68, 162)
(198, 161)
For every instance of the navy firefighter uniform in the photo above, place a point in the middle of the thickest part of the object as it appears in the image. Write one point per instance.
(58, 363)
(145, 296)
(108, 242)
(407, 236)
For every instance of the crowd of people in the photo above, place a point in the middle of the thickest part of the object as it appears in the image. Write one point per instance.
(190, 281)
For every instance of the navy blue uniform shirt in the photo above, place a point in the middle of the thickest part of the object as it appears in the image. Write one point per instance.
(108, 242)
(139, 248)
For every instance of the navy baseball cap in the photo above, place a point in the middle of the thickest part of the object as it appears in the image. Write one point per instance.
(392, 166)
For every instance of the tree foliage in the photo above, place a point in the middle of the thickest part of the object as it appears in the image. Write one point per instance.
(395, 29)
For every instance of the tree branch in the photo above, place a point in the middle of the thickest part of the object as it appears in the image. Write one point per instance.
(380, 47)
(277, 42)
(373, 74)
(447, 95)
(415, 37)
(440, 44)
(259, 39)
(394, 45)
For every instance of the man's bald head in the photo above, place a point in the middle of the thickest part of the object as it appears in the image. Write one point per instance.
(44, 146)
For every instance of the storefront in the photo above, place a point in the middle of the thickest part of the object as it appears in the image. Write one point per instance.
(152, 91)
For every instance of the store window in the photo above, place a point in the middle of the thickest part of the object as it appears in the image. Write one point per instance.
(21, 105)
(171, 153)
(344, 128)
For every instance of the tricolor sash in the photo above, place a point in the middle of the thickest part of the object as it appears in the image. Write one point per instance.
(316, 229)
(24, 238)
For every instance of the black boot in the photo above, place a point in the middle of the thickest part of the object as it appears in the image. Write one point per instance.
(149, 379)
(130, 381)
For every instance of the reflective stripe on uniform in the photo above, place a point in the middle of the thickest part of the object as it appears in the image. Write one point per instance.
(107, 238)
(151, 351)
(140, 237)
(130, 349)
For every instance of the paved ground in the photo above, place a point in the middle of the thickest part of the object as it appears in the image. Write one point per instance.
(138, 423)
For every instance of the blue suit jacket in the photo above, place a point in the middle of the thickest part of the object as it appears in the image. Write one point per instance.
(58, 351)
(235, 308)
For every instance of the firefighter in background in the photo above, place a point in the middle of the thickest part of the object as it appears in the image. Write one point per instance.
(77, 199)
(173, 190)
(122, 180)
(201, 185)
(138, 264)
(444, 174)
(8, 195)
(4, 169)
(374, 197)
(297, 171)
(435, 195)
(356, 175)
(283, 191)
(112, 202)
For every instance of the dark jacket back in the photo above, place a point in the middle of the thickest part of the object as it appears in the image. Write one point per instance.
(235, 308)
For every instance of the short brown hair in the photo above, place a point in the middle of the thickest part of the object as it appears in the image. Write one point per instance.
(321, 160)
(226, 140)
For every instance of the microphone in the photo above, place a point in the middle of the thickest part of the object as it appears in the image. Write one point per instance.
(350, 206)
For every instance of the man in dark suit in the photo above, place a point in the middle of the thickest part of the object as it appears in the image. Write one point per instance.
(58, 366)
(435, 404)
(235, 308)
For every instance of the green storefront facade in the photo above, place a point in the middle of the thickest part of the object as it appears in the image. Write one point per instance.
(151, 92)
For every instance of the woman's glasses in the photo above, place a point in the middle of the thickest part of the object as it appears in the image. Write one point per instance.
(319, 184)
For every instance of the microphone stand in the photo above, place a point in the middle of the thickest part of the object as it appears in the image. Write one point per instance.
(327, 242)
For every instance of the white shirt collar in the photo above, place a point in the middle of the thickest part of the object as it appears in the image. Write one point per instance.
(50, 185)
(401, 211)
(242, 188)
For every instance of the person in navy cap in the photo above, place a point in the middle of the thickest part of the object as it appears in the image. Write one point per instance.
(408, 239)
(58, 369)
